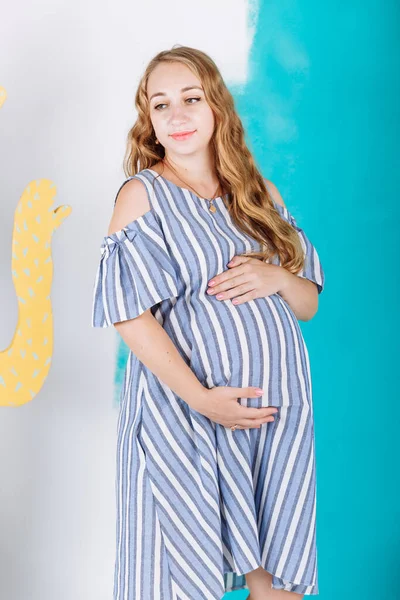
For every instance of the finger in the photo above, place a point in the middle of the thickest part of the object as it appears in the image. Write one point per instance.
(229, 283)
(239, 291)
(250, 295)
(238, 259)
(247, 412)
(253, 423)
(245, 392)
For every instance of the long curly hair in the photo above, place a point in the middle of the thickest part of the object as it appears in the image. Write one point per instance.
(249, 202)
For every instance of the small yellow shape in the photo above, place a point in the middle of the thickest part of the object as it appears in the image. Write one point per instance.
(3, 96)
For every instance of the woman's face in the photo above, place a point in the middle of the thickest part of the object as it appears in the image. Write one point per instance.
(174, 108)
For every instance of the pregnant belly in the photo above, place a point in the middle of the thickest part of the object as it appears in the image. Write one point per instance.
(258, 343)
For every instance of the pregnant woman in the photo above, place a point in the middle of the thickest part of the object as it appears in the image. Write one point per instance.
(205, 273)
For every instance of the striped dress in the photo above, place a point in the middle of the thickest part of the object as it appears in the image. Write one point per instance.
(199, 505)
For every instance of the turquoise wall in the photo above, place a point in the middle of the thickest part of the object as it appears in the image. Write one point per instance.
(321, 109)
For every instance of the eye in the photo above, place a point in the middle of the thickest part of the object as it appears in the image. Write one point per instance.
(192, 98)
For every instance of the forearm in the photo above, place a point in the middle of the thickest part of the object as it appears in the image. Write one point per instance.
(301, 294)
(151, 344)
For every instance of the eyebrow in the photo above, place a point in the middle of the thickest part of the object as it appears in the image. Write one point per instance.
(184, 89)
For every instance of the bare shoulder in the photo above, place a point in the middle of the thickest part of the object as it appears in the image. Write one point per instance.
(273, 190)
(132, 202)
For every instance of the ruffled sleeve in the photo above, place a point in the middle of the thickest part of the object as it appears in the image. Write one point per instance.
(136, 271)
(312, 269)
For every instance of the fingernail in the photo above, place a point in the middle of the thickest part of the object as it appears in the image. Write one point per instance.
(259, 391)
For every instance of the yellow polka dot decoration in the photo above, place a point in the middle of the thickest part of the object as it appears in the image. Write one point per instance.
(24, 365)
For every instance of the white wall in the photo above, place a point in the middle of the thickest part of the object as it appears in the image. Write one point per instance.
(71, 71)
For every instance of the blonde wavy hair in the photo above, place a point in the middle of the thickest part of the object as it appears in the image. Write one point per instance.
(249, 202)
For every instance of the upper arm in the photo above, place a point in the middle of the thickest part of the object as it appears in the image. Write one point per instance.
(273, 190)
(132, 202)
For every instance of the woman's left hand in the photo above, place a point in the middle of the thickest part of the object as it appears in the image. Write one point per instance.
(246, 279)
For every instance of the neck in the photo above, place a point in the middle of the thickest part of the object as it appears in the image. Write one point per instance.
(192, 170)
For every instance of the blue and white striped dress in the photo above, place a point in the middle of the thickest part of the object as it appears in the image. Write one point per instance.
(199, 505)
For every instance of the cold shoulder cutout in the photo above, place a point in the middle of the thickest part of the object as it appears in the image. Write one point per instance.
(312, 269)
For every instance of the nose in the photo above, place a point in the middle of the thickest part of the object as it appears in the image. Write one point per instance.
(177, 114)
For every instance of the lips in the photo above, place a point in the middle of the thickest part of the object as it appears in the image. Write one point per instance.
(182, 135)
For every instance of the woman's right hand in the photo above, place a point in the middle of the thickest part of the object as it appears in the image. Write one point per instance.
(220, 404)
